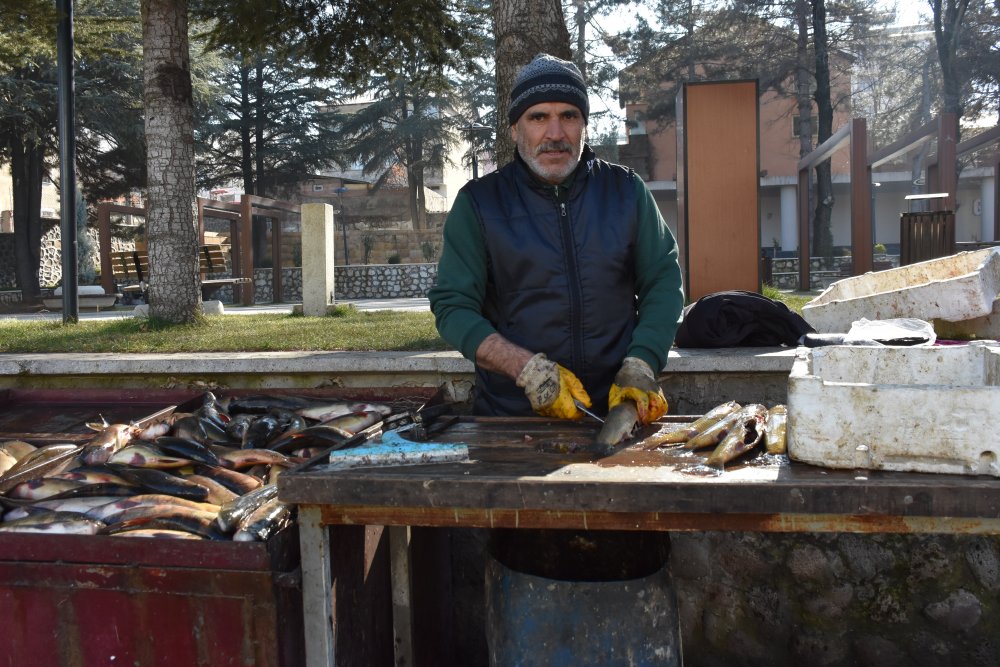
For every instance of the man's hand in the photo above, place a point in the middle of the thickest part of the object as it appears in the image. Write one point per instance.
(551, 388)
(636, 381)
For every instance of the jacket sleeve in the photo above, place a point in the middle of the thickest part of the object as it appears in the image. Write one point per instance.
(658, 284)
(457, 298)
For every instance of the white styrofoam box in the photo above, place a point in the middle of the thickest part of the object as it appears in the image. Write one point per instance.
(917, 409)
(959, 287)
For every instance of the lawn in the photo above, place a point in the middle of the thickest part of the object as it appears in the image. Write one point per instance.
(347, 329)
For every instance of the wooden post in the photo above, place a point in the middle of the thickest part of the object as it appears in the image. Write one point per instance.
(862, 252)
(803, 197)
(246, 250)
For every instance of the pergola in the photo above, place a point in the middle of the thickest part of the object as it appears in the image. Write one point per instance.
(240, 216)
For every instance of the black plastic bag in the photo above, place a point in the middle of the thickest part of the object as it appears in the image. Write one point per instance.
(739, 319)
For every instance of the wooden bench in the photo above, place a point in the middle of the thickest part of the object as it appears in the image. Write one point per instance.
(132, 266)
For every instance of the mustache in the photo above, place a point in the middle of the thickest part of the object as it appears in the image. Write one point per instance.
(563, 146)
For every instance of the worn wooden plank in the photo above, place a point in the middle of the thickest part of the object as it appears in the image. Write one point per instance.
(527, 466)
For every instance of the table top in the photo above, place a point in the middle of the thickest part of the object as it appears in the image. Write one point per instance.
(534, 472)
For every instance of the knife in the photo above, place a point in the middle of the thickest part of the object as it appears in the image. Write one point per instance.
(582, 408)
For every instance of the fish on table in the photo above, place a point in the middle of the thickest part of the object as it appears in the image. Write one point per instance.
(208, 472)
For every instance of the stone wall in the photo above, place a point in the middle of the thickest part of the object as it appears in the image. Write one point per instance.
(372, 281)
(823, 271)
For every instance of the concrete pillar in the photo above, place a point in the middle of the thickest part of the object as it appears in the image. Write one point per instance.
(317, 259)
(986, 190)
(789, 218)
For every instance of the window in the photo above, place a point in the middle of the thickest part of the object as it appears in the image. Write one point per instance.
(317, 187)
(797, 125)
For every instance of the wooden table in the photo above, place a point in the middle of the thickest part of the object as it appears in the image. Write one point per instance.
(538, 473)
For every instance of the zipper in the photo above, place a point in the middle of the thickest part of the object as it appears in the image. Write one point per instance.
(573, 269)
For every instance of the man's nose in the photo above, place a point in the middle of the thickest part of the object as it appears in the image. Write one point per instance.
(554, 129)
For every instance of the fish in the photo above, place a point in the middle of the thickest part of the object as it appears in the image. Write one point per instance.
(54, 523)
(240, 459)
(159, 533)
(42, 461)
(91, 475)
(238, 425)
(233, 480)
(260, 432)
(355, 421)
(232, 513)
(95, 489)
(162, 517)
(775, 439)
(192, 450)
(151, 432)
(192, 428)
(111, 439)
(147, 456)
(262, 403)
(746, 433)
(136, 514)
(264, 522)
(217, 493)
(17, 448)
(7, 461)
(714, 434)
(42, 488)
(618, 425)
(329, 411)
(685, 433)
(119, 505)
(321, 435)
(159, 481)
(77, 505)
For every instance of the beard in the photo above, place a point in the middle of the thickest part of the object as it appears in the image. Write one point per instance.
(551, 173)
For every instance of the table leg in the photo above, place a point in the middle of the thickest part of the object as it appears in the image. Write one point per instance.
(402, 609)
(317, 587)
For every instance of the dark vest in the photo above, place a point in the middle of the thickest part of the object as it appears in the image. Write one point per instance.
(561, 273)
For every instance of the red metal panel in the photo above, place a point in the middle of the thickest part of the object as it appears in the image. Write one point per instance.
(105, 627)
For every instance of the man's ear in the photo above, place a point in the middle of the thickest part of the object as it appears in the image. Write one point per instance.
(513, 133)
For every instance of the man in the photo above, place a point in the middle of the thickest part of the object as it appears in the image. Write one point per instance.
(559, 279)
(558, 276)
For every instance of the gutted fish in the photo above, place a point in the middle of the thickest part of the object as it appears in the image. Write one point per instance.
(745, 434)
(775, 431)
(681, 435)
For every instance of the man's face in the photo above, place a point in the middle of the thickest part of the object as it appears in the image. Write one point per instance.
(549, 137)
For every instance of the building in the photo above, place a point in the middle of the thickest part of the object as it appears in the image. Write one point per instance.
(651, 150)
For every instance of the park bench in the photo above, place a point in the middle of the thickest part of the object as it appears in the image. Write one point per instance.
(132, 266)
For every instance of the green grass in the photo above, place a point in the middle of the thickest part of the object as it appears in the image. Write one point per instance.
(794, 300)
(346, 329)
(349, 329)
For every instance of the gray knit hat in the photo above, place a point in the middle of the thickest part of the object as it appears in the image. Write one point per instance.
(547, 79)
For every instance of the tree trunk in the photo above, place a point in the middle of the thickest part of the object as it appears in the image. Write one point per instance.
(174, 291)
(803, 76)
(523, 29)
(261, 248)
(947, 34)
(246, 142)
(822, 231)
(26, 176)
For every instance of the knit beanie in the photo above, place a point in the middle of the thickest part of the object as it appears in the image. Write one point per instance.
(547, 79)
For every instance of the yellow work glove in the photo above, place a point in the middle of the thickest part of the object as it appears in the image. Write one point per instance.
(551, 388)
(636, 381)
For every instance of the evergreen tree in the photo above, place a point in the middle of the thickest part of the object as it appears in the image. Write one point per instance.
(108, 139)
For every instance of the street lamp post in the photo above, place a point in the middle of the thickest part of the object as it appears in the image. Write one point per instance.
(474, 130)
(343, 221)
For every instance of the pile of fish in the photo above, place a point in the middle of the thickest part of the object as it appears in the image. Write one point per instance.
(206, 474)
(732, 430)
